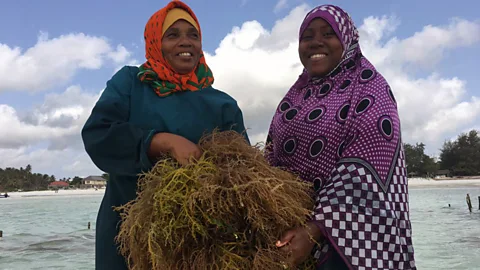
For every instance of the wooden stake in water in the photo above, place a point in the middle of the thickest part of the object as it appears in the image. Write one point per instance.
(478, 202)
(1, 234)
(469, 203)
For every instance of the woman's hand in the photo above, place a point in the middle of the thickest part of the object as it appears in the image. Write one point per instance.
(298, 243)
(179, 147)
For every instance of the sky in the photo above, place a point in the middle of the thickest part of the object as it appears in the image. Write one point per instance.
(56, 56)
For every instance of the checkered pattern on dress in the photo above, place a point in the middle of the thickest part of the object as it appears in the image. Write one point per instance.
(369, 226)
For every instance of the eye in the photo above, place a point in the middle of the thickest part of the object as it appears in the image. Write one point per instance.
(307, 37)
(194, 35)
(329, 34)
(308, 34)
(172, 35)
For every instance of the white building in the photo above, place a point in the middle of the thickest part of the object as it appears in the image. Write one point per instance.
(93, 182)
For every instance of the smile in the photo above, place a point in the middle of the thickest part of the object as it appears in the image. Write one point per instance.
(185, 54)
(318, 56)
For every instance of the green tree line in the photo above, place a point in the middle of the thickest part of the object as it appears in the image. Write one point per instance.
(13, 179)
(460, 157)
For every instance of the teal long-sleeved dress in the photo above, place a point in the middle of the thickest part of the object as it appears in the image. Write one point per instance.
(118, 133)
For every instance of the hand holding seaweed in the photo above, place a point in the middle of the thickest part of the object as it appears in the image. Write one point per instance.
(180, 148)
(224, 211)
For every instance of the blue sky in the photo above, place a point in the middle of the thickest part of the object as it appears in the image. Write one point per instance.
(443, 35)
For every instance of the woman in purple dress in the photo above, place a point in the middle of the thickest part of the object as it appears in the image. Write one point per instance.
(338, 126)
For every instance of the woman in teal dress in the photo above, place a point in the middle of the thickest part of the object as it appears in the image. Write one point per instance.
(162, 107)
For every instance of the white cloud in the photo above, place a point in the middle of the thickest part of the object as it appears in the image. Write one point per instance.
(61, 163)
(57, 121)
(53, 62)
(436, 40)
(425, 48)
(432, 108)
(120, 55)
(266, 64)
(281, 4)
(48, 136)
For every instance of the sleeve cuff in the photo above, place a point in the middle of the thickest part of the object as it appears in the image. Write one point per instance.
(145, 161)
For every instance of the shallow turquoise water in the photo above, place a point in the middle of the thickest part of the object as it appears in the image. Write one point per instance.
(51, 232)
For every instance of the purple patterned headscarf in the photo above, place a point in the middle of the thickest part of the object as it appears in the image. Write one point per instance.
(344, 28)
(342, 132)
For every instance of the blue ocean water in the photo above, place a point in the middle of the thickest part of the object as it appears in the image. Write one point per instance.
(52, 233)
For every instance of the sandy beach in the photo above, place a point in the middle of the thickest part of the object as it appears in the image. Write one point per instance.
(60, 193)
(450, 183)
(412, 183)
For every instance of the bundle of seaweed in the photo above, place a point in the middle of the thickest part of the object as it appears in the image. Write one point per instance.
(224, 211)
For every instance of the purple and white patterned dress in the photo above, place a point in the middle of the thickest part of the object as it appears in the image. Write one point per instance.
(343, 133)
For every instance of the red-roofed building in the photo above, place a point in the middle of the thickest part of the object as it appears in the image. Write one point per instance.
(58, 185)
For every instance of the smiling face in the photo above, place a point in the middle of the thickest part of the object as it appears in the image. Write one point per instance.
(182, 47)
(320, 49)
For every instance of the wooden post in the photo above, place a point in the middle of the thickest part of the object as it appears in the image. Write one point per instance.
(1, 234)
(88, 225)
(478, 202)
(469, 203)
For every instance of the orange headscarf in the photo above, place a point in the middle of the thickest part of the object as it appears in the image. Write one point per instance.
(157, 72)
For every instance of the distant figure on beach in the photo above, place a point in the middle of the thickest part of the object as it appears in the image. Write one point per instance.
(162, 107)
(449, 205)
(88, 225)
(6, 195)
(469, 203)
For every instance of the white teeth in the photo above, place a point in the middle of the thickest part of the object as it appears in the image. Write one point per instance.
(318, 56)
(185, 54)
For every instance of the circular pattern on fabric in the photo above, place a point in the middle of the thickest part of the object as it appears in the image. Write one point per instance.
(385, 126)
(342, 113)
(317, 183)
(340, 149)
(336, 72)
(289, 146)
(367, 75)
(345, 85)
(316, 147)
(315, 114)
(390, 93)
(307, 94)
(325, 89)
(285, 105)
(364, 105)
(350, 64)
(351, 138)
(290, 114)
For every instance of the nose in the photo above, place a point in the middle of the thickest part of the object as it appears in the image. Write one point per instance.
(317, 42)
(185, 41)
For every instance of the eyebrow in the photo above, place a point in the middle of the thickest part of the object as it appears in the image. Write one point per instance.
(176, 29)
(328, 27)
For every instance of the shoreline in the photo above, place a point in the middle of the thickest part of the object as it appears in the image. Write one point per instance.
(52, 193)
(444, 182)
(412, 183)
